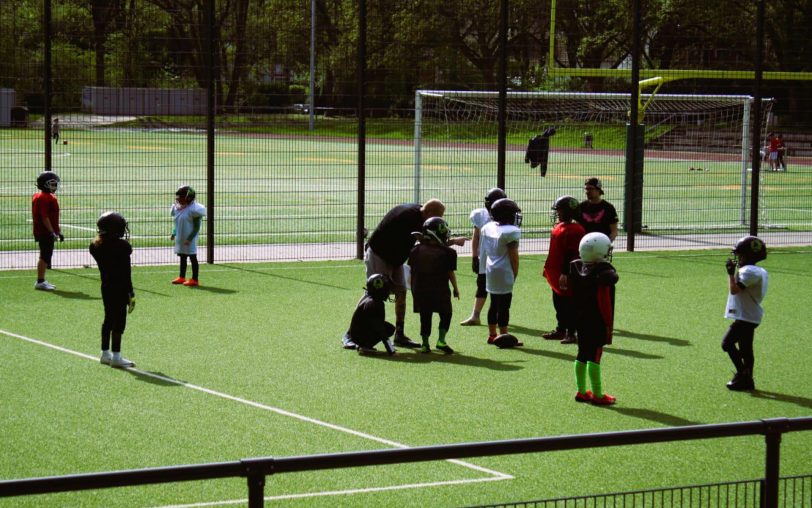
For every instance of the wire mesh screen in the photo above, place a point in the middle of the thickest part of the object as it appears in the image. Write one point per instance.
(257, 105)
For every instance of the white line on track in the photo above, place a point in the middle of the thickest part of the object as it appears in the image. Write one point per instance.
(495, 475)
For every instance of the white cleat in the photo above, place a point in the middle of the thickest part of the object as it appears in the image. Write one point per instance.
(121, 362)
(44, 286)
(106, 357)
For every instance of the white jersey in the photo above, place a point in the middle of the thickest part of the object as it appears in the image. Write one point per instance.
(746, 305)
(184, 225)
(494, 239)
(479, 217)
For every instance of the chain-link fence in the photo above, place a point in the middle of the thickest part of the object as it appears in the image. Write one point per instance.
(296, 121)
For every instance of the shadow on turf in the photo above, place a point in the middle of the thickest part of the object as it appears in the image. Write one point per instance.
(792, 399)
(653, 338)
(277, 276)
(568, 354)
(211, 289)
(651, 415)
(148, 377)
(95, 278)
(413, 356)
(74, 295)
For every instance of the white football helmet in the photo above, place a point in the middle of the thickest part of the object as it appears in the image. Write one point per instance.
(595, 247)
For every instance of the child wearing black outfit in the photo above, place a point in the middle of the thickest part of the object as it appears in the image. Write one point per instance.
(368, 326)
(432, 267)
(112, 251)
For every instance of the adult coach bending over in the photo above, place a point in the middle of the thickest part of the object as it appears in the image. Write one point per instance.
(388, 249)
(596, 214)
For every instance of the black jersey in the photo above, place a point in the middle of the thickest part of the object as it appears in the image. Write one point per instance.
(593, 292)
(368, 325)
(430, 266)
(113, 258)
(597, 217)
(392, 239)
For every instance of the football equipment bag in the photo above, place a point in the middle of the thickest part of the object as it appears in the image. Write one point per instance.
(752, 248)
(379, 287)
(595, 247)
(48, 181)
(506, 212)
(437, 230)
(492, 196)
(113, 224)
(566, 208)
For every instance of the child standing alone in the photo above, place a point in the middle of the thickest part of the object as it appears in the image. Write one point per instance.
(188, 215)
(433, 266)
(747, 287)
(112, 251)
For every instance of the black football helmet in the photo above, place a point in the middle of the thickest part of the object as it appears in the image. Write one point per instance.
(113, 224)
(492, 196)
(752, 248)
(437, 230)
(379, 287)
(48, 181)
(565, 208)
(185, 194)
(506, 212)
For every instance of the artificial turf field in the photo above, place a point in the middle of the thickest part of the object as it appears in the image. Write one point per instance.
(250, 364)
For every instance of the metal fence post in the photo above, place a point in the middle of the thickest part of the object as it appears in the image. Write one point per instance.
(773, 430)
(256, 490)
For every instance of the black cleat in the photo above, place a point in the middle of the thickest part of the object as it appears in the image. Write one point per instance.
(404, 341)
(741, 382)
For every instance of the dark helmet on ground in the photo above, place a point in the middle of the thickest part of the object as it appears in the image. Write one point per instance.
(48, 181)
(112, 224)
(566, 208)
(379, 287)
(185, 192)
(436, 229)
(506, 212)
(752, 248)
(492, 196)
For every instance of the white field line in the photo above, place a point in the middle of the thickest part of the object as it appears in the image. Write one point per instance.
(70, 226)
(339, 492)
(394, 444)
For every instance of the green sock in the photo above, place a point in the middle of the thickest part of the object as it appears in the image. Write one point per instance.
(441, 340)
(580, 376)
(594, 370)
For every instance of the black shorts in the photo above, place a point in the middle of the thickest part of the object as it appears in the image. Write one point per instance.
(46, 247)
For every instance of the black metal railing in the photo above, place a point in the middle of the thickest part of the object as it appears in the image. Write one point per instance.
(255, 470)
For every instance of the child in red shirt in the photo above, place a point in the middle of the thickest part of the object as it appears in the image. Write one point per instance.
(45, 215)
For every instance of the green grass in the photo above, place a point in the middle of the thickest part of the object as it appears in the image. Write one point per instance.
(288, 190)
(269, 333)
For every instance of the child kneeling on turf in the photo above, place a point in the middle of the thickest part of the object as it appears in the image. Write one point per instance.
(432, 265)
(747, 285)
(368, 326)
(111, 250)
(592, 280)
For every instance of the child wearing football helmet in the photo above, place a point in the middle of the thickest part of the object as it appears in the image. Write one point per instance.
(45, 216)
(368, 325)
(592, 280)
(564, 239)
(432, 266)
(188, 215)
(112, 251)
(479, 217)
(500, 239)
(747, 287)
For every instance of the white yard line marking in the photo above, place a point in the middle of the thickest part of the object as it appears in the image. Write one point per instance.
(258, 405)
(338, 492)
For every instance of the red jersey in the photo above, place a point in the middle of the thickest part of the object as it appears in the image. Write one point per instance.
(44, 204)
(564, 242)
(774, 144)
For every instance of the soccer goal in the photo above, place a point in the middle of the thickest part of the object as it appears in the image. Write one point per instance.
(697, 148)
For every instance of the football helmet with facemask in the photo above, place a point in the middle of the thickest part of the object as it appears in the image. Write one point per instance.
(565, 209)
(48, 181)
(436, 229)
(113, 224)
(595, 248)
(506, 212)
(492, 196)
(185, 194)
(379, 287)
(752, 248)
